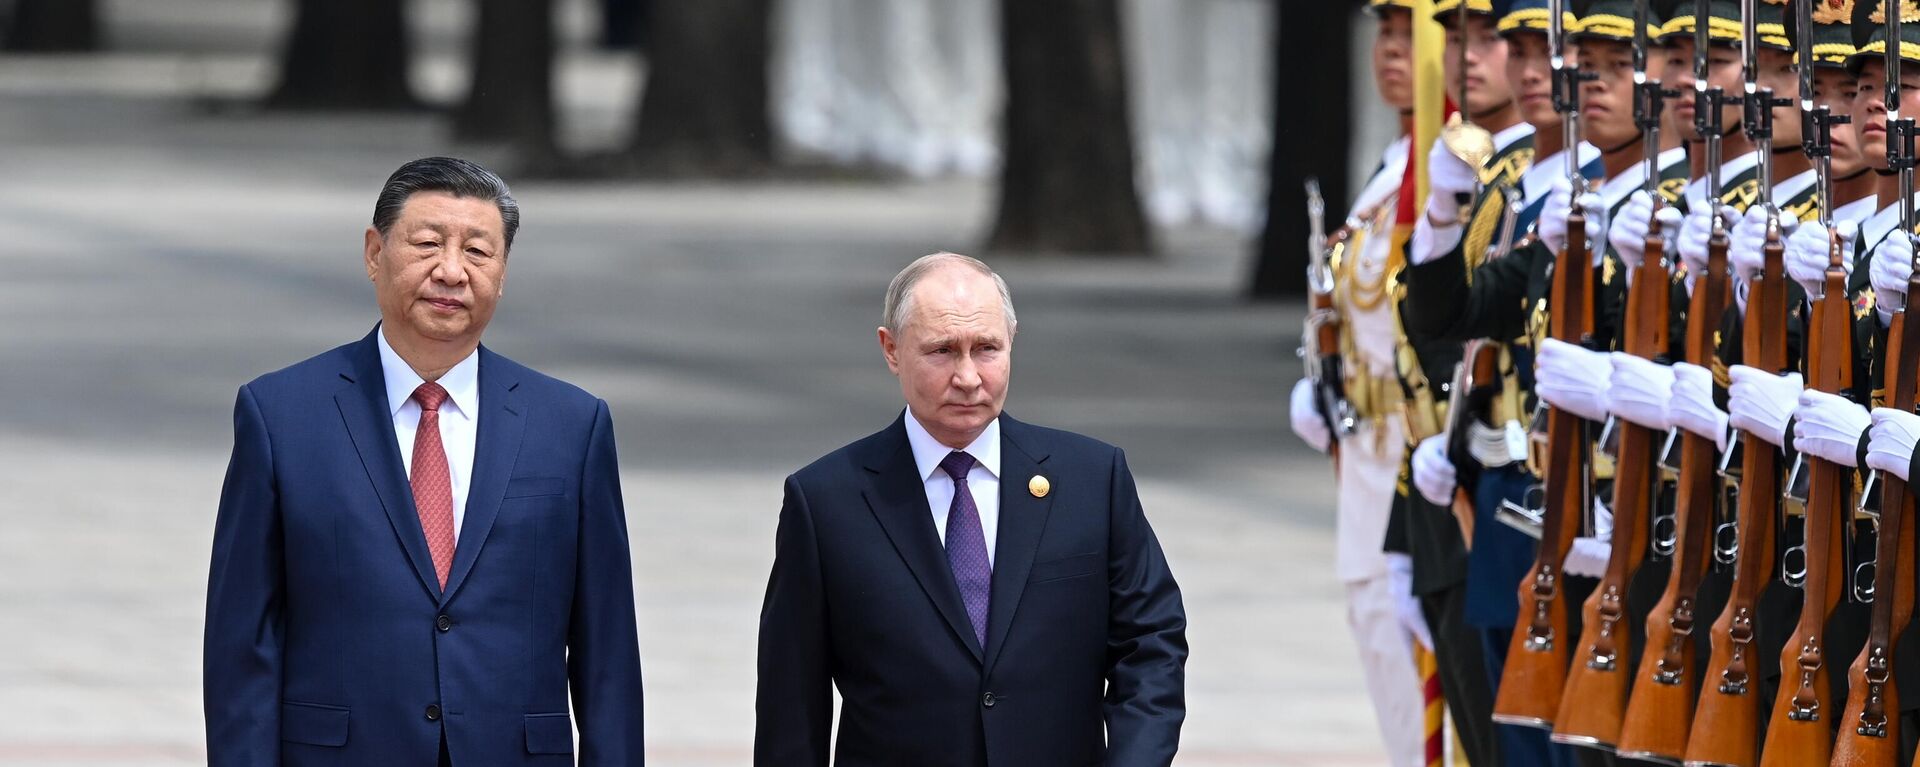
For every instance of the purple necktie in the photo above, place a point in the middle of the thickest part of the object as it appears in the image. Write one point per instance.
(967, 546)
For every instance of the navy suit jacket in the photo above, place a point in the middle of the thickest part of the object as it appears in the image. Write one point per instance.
(328, 637)
(1086, 636)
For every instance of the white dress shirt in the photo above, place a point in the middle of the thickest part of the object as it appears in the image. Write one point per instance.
(983, 480)
(459, 422)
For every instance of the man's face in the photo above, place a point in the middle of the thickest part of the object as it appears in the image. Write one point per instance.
(1393, 57)
(953, 354)
(1835, 89)
(1530, 73)
(440, 268)
(1487, 88)
(1723, 71)
(1606, 101)
(1870, 108)
(1777, 72)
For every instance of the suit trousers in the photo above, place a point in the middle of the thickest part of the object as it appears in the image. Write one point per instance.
(1386, 660)
(1463, 674)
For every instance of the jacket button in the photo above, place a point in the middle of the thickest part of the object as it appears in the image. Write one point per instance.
(433, 712)
(443, 623)
(987, 700)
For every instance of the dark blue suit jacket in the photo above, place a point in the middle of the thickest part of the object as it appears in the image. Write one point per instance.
(328, 636)
(1086, 635)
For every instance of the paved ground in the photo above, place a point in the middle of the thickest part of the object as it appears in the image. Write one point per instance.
(153, 258)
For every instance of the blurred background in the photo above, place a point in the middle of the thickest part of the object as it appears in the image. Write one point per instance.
(714, 196)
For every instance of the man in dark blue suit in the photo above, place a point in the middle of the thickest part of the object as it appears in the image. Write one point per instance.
(421, 545)
(981, 591)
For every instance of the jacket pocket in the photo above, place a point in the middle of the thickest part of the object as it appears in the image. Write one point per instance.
(534, 487)
(1065, 567)
(313, 724)
(549, 734)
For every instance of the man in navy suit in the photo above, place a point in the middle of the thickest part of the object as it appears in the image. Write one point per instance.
(421, 546)
(981, 591)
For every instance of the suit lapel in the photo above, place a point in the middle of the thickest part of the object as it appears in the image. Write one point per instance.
(1022, 519)
(363, 406)
(503, 420)
(897, 495)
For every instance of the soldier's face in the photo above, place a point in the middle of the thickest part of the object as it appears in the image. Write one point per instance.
(1870, 108)
(1836, 90)
(1723, 71)
(1530, 73)
(1393, 57)
(1487, 89)
(1777, 72)
(1606, 100)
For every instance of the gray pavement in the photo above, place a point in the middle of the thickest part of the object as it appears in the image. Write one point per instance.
(154, 258)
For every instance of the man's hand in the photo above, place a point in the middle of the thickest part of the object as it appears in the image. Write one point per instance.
(1628, 231)
(1890, 441)
(1891, 268)
(1828, 427)
(1807, 253)
(1406, 606)
(1303, 410)
(1745, 251)
(1761, 403)
(1572, 378)
(1692, 406)
(1640, 390)
(1433, 474)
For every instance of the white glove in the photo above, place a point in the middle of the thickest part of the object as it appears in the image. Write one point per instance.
(1640, 391)
(1807, 253)
(1433, 474)
(1892, 265)
(1589, 555)
(1572, 378)
(1692, 405)
(1760, 403)
(1694, 234)
(1304, 412)
(1627, 233)
(1553, 218)
(1890, 444)
(1750, 238)
(1406, 606)
(1828, 427)
(1448, 177)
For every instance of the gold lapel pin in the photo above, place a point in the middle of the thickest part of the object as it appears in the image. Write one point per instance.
(1039, 486)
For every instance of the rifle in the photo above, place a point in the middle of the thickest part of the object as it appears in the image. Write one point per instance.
(1798, 732)
(1320, 336)
(1660, 710)
(1595, 698)
(1726, 721)
(1536, 669)
(1869, 735)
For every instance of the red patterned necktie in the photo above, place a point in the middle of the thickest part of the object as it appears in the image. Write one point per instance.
(432, 485)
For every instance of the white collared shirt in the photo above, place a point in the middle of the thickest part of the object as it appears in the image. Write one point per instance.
(983, 481)
(1537, 181)
(459, 421)
(1792, 187)
(1858, 210)
(1876, 227)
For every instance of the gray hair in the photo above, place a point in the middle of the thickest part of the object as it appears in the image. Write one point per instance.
(460, 178)
(899, 301)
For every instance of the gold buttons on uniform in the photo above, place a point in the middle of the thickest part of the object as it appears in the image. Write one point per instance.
(1039, 486)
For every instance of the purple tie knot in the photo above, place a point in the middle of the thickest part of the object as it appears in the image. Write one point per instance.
(957, 464)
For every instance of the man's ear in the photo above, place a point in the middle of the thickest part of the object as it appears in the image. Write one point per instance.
(374, 243)
(889, 348)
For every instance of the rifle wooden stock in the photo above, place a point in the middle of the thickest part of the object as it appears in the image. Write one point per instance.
(1660, 709)
(1798, 733)
(1536, 669)
(1870, 727)
(1726, 721)
(1595, 698)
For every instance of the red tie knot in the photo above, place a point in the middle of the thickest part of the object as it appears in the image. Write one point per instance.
(430, 395)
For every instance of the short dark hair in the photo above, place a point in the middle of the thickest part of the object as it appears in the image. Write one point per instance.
(460, 178)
